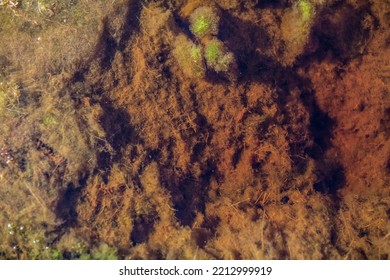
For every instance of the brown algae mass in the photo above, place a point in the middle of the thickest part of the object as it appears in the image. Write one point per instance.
(194, 129)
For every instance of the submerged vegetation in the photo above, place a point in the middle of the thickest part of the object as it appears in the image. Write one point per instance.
(203, 24)
(306, 9)
(204, 21)
(189, 57)
(137, 129)
(296, 26)
(9, 96)
(216, 56)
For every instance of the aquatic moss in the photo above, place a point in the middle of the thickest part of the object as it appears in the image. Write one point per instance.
(216, 57)
(204, 21)
(213, 52)
(306, 10)
(189, 57)
(104, 252)
(296, 27)
(50, 120)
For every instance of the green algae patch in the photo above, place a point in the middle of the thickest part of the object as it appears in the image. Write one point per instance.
(189, 57)
(306, 9)
(217, 57)
(50, 120)
(204, 21)
(296, 26)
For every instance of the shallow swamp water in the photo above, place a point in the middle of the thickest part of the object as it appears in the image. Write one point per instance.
(193, 129)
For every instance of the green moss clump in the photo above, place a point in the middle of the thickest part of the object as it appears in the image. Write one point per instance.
(189, 57)
(192, 57)
(204, 21)
(216, 57)
(103, 252)
(213, 51)
(296, 27)
(50, 120)
(306, 9)
(195, 53)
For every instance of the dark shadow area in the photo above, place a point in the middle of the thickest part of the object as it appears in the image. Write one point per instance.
(114, 121)
(244, 39)
(116, 124)
(385, 123)
(321, 127)
(66, 206)
(108, 45)
(189, 195)
(333, 179)
(342, 31)
(272, 4)
(206, 231)
(237, 155)
(142, 227)
(132, 24)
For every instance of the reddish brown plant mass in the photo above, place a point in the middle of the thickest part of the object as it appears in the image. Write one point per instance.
(109, 149)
